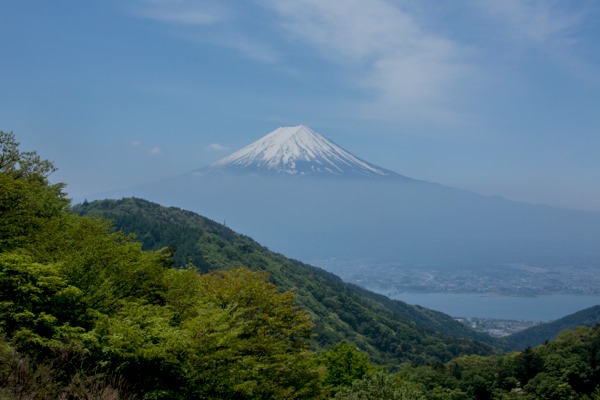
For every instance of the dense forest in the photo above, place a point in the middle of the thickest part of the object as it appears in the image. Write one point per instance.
(87, 313)
(389, 331)
(539, 334)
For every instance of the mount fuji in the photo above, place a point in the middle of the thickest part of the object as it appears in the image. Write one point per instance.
(353, 209)
(297, 151)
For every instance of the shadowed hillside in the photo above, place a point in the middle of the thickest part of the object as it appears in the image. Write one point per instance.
(539, 334)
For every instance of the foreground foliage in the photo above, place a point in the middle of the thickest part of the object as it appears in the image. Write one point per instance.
(80, 303)
(85, 313)
(389, 331)
(567, 368)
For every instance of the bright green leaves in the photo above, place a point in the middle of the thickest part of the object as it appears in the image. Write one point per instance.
(220, 335)
(107, 266)
(175, 333)
(244, 338)
(137, 330)
(25, 209)
(384, 328)
(35, 307)
(140, 343)
(344, 365)
(81, 303)
(350, 376)
(381, 386)
(27, 200)
(267, 312)
(21, 164)
(75, 294)
(28, 290)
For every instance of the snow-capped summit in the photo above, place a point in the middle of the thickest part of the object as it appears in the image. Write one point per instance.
(297, 151)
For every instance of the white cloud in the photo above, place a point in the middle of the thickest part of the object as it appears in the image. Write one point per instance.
(379, 47)
(251, 48)
(217, 147)
(151, 151)
(409, 62)
(154, 151)
(192, 18)
(353, 30)
(403, 65)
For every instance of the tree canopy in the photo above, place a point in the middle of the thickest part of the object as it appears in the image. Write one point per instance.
(86, 312)
(87, 305)
(388, 331)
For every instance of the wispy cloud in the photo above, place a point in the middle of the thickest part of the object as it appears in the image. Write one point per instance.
(407, 61)
(551, 27)
(379, 47)
(532, 20)
(182, 12)
(151, 151)
(206, 21)
(217, 147)
(400, 62)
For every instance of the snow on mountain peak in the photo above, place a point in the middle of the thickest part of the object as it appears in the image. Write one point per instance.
(297, 150)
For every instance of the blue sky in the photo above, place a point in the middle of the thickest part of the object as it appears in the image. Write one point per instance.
(499, 97)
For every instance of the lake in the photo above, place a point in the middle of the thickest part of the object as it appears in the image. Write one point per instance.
(538, 309)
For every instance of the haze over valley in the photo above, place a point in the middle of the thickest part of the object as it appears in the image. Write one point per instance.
(308, 198)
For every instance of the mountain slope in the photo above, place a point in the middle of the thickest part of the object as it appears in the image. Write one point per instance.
(296, 151)
(413, 222)
(390, 331)
(361, 211)
(539, 334)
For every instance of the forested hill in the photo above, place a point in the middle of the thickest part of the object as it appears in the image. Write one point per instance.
(389, 331)
(85, 313)
(539, 334)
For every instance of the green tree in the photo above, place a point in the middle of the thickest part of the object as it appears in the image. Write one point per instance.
(27, 199)
(22, 164)
(78, 299)
(381, 386)
(221, 335)
(478, 376)
(345, 364)
(249, 340)
(33, 297)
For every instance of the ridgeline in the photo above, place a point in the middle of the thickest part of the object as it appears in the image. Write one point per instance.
(389, 331)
